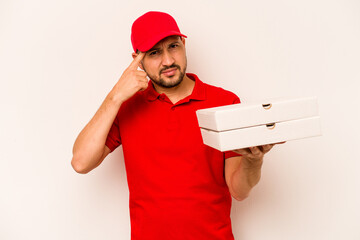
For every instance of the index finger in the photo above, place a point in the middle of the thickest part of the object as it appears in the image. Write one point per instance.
(135, 63)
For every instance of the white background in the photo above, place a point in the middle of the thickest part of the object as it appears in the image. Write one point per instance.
(59, 59)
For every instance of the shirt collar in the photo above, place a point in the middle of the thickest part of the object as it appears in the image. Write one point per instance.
(198, 92)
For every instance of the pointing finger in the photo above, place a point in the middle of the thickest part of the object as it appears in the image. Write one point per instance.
(135, 63)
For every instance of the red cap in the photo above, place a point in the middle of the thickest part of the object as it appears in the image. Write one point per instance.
(152, 27)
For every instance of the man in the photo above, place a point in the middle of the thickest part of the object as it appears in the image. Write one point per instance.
(179, 187)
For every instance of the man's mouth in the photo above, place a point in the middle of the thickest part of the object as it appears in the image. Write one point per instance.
(169, 72)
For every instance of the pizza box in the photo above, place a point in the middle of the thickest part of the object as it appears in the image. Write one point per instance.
(252, 114)
(262, 134)
(253, 124)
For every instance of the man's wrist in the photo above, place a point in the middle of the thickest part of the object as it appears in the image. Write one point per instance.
(115, 99)
(252, 164)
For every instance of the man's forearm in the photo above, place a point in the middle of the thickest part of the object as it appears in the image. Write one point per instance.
(89, 148)
(245, 178)
(89, 145)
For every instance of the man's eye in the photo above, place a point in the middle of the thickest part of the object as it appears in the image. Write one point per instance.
(174, 45)
(153, 53)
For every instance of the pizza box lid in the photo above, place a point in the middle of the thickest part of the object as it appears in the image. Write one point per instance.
(250, 114)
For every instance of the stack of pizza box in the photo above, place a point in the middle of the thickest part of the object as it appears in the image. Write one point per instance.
(245, 125)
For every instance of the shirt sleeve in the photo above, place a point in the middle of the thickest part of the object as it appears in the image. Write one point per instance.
(229, 154)
(113, 139)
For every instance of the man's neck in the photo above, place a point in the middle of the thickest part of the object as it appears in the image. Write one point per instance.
(179, 92)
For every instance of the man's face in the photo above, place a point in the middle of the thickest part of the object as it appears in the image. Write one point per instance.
(165, 63)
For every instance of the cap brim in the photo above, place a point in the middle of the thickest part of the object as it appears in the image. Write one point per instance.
(147, 45)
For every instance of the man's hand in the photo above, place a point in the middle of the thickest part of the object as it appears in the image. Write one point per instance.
(131, 81)
(242, 173)
(253, 156)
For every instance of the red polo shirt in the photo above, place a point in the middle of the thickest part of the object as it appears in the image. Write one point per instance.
(176, 183)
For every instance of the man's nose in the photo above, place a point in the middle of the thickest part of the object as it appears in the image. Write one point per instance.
(167, 59)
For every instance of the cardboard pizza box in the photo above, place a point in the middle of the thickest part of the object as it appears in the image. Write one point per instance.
(262, 134)
(251, 114)
(240, 126)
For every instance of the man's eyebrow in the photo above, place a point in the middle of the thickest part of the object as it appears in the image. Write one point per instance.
(175, 41)
(158, 48)
(152, 49)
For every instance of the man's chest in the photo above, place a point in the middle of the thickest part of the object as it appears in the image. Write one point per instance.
(163, 127)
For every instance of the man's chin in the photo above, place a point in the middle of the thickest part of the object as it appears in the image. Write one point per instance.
(170, 84)
(169, 81)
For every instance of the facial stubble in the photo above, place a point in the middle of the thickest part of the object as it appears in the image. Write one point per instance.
(162, 83)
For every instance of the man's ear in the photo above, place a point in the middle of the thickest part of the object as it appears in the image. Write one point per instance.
(183, 40)
(134, 55)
